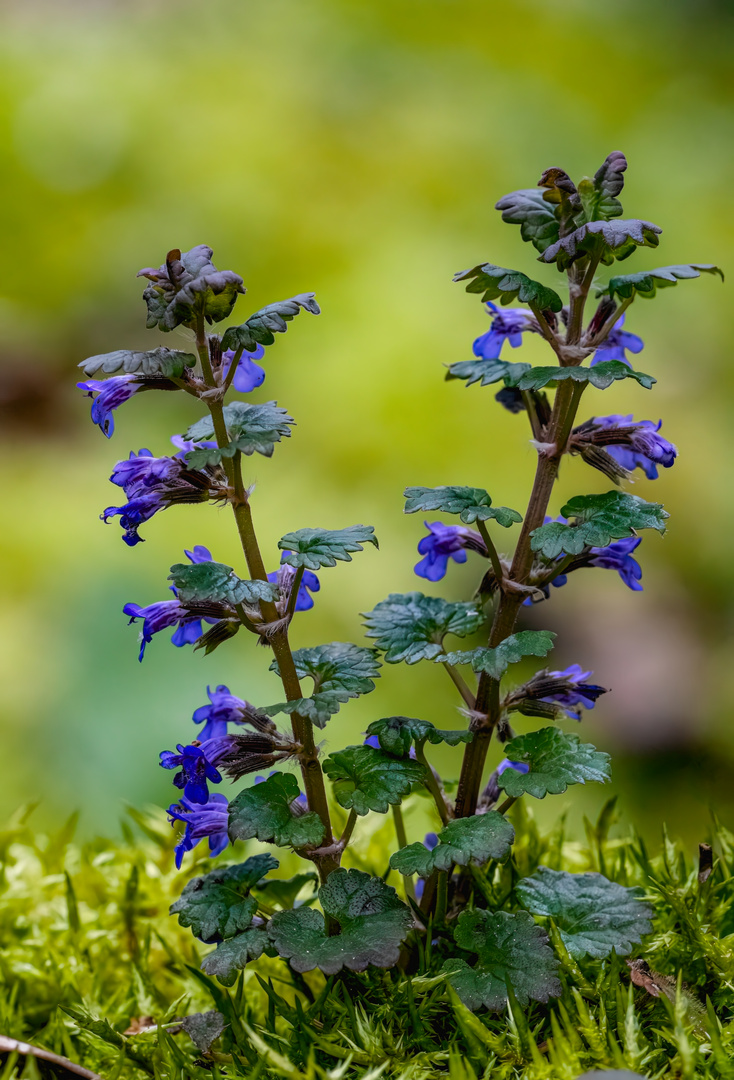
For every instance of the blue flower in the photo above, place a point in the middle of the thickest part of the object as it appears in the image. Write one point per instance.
(200, 554)
(165, 613)
(518, 766)
(373, 741)
(573, 692)
(111, 393)
(445, 542)
(185, 446)
(195, 770)
(249, 375)
(209, 819)
(616, 342)
(508, 324)
(284, 577)
(491, 793)
(430, 840)
(640, 446)
(224, 709)
(618, 556)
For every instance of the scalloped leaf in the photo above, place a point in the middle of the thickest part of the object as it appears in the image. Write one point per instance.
(228, 959)
(510, 948)
(497, 282)
(314, 548)
(647, 282)
(273, 319)
(219, 904)
(411, 626)
(495, 662)
(599, 520)
(601, 376)
(263, 812)
(463, 841)
(169, 363)
(373, 924)
(337, 666)
(396, 734)
(187, 286)
(365, 779)
(485, 372)
(471, 504)
(213, 582)
(319, 709)
(528, 209)
(598, 196)
(556, 759)
(594, 915)
(614, 239)
(251, 429)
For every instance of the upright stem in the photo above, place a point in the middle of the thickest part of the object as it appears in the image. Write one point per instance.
(402, 838)
(460, 685)
(432, 785)
(492, 551)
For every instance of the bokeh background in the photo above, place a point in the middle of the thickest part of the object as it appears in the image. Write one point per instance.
(354, 148)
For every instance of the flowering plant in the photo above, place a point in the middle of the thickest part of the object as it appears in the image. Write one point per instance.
(445, 907)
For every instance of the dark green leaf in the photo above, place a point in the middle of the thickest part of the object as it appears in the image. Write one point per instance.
(319, 709)
(228, 959)
(219, 905)
(188, 286)
(314, 548)
(198, 583)
(168, 363)
(367, 779)
(615, 239)
(510, 949)
(338, 666)
(594, 915)
(411, 626)
(372, 920)
(647, 282)
(485, 372)
(273, 319)
(284, 891)
(203, 1028)
(599, 520)
(469, 503)
(396, 734)
(251, 428)
(528, 209)
(598, 196)
(601, 376)
(556, 759)
(494, 662)
(264, 812)
(497, 282)
(463, 841)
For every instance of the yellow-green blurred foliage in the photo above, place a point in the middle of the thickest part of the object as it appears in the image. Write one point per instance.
(355, 148)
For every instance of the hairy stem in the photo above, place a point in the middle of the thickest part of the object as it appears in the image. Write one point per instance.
(493, 554)
(232, 370)
(293, 598)
(461, 686)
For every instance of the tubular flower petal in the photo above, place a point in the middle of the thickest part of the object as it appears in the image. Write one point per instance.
(209, 819)
(508, 324)
(445, 542)
(110, 394)
(618, 340)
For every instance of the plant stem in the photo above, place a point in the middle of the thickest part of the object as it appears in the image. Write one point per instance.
(346, 836)
(293, 598)
(232, 370)
(492, 551)
(509, 801)
(432, 784)
(442, 897)
(402, 838)
(460, 685)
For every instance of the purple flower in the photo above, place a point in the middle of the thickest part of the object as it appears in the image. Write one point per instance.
(576, 694)
(209, 819)
(618, 556)
(195, 770)
(639, 447)
(430, 840)
(249, 375)
(445, 542)
(200, 554)
(165, 613)
(111, 393)
(508, 324)
(224, 709)
(184, 446)
(491, 792)
(518, 766)
(616, 342)
(284, 577)
(373, 741)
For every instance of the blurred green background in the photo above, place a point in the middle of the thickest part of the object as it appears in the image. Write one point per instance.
(355, 149)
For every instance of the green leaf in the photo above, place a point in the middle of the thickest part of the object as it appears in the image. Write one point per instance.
(284, 891)
(232, 955)
(264, 812)
(411, 626)
(273, 319)
(494, 662)
(647, 282)
(469, 503)
(555, 759)
(188, 286)
(219, 905)
(601, 376)
(615, 239)
(213, 582)
(204, 1028)
(497, 282)
(319, 709)
(396, 734)
(340, 671)
(599, 520)
(510, 949)
(594, 915)
(463, 841)
(169, 363)
(367, 779)
(598, 196)
(314, 548)
(251, 428)
(485, 372)
(373, 923)
(528, 209)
